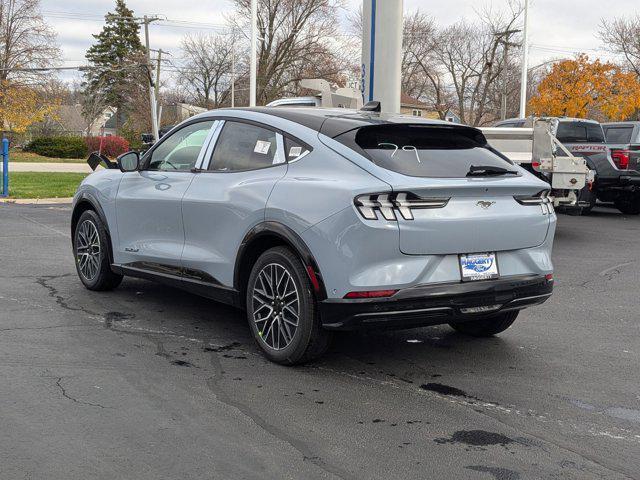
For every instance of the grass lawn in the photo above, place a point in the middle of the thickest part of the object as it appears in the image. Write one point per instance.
(43, 185)
(16, 155)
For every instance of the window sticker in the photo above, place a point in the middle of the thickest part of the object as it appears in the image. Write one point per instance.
(295, 151)
(262, 147)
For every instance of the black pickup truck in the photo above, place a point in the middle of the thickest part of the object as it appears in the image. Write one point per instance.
(621, 184)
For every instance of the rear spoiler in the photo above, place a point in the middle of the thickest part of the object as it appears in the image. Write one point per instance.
(97, 158)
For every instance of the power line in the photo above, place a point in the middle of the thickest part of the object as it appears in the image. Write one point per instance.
(166, 22)
(42, 69)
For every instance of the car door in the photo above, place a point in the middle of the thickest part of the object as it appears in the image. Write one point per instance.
(227, 199)
(148, 203)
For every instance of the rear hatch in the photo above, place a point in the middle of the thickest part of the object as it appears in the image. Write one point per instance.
(452, 193)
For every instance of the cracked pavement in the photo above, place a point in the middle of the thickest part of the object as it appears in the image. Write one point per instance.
(147, 382)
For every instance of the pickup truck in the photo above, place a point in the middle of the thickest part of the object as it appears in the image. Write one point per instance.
(616, 179)
(622, 183)
(546, 147)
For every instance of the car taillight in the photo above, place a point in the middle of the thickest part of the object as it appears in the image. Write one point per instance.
(388, 203)
(541, 198)
(621, 159)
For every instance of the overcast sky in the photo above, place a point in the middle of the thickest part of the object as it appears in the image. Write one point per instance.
(559, 28)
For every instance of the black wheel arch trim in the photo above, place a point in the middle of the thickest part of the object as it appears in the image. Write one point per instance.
(88, 198)
(291, 238)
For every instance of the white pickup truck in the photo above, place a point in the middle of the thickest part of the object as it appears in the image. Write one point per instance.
(538, 150)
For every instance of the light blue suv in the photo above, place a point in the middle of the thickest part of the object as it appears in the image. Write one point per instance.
(315, 220)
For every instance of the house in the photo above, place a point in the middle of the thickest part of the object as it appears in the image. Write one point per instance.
(99, 126)
(417, 108)
(109, 127)
(413, 106)
(177, 112)
(70, 120)
(451, 116)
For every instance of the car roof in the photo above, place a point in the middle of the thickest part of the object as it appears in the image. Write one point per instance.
(560, 119)
(293, 101)
(628, 123)
(573, 119)
(335, 121)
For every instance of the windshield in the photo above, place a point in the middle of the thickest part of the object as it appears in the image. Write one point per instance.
(580, 132)
(424, 150)
(618, 134)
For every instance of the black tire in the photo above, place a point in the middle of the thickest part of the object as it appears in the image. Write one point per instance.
(101, 277)
(309, 340)
(487, 327)
(628, 206)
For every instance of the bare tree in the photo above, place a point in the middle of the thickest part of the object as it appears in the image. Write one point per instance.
(622, 37)
(297, 41)
(93, 105)
(473, 55)
(422, 75)
(26, 41)
(206, 73)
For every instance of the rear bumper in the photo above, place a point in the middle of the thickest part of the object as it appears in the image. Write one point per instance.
(425, 305)
(628, 181)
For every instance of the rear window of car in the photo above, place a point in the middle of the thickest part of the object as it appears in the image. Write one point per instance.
(618, 134)
(510, 125)
(423, 150)
(580, 132)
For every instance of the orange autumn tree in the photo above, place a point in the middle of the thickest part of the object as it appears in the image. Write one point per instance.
(584, 89)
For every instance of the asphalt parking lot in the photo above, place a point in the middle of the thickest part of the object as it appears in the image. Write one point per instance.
(150, 383)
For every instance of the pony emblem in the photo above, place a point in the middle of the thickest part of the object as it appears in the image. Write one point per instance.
(485, 205)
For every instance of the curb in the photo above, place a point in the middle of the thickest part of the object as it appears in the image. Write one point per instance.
(36, 201)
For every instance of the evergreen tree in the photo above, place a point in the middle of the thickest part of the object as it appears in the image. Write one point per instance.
(116, 60)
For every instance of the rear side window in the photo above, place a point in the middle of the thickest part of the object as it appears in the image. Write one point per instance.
(242, 147)
(294, 150)
(423, 150)
(511, 125)
(580, 132)
(618, 134)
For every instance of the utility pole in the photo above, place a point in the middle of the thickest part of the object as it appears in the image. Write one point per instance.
(253, 68)
(500, 38)
(157, 85)
(525, 62)
(152, 91)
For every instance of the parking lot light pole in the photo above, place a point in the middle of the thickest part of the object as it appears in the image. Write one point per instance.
(253, 68)
(525, 62)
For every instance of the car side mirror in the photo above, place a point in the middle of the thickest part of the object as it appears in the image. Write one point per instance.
(129, 162)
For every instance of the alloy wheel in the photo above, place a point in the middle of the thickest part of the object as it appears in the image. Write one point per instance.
(276, 306)
(88, 250)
